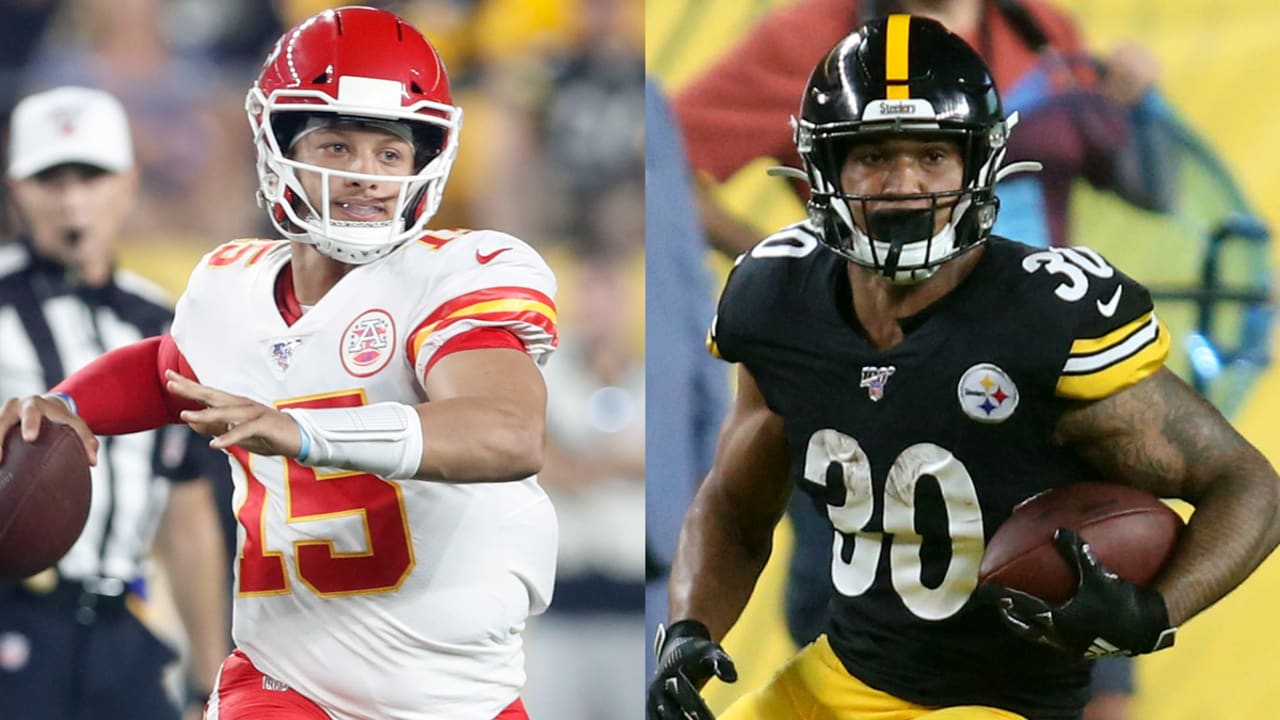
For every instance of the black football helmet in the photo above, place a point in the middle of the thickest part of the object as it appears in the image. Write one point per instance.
(898, 75)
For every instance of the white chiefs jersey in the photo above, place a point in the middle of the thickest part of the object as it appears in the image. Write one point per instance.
(377, 598)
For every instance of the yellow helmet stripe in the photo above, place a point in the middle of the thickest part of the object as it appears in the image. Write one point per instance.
(895, 61)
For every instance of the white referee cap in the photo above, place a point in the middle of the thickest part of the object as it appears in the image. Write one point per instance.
(68, 125)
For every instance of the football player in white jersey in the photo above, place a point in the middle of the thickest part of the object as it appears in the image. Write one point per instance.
(376, 386)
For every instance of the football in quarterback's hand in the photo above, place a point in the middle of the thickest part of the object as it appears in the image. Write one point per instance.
(1132, 533)
(45, 490)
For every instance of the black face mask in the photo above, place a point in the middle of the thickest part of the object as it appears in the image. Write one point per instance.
(898, 228)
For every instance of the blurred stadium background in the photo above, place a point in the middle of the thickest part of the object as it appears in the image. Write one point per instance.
(1211, 52)
(551, 151)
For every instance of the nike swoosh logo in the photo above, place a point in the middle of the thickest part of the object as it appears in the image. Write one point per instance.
(1109, 307)
(484, 259)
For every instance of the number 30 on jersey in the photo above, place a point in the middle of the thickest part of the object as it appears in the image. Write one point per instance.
(829, 450)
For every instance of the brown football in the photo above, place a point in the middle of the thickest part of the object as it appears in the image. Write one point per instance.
(45, 490)
(1131, 532)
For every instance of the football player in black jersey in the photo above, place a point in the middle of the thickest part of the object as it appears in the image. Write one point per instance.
(919, 379)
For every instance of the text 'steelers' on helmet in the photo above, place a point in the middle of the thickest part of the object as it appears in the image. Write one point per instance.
(358, 65)
(903, 76)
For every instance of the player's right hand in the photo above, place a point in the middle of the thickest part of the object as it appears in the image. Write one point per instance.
(687, 659)
(235, 420)
(32, 410)
(1107, 615)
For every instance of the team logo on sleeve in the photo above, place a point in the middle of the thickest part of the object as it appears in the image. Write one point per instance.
(874, 379)
(368, 343)
(987, 393)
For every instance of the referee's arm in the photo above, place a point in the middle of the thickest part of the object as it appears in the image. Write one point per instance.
(190, 545)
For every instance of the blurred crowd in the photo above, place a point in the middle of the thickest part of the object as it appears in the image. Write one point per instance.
(551, 151)
(552, 142)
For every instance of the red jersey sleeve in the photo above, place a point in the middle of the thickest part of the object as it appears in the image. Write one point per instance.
(124, 390)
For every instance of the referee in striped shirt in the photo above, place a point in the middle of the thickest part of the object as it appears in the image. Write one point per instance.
(72, 646)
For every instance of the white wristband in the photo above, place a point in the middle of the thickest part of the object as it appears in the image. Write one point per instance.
(384, 438)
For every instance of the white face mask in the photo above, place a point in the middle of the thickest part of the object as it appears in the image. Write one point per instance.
(295, 214)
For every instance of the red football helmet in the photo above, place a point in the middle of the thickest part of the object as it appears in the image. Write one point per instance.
(359, 63)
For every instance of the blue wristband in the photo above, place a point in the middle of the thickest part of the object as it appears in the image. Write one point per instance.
(70, 401)
(304, 449)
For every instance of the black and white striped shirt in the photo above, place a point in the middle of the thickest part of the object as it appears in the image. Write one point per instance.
(49, 328)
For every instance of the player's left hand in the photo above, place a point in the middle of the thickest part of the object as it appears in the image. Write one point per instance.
(1107, 615)
(235, 420)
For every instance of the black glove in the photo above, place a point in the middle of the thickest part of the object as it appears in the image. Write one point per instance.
(1107, 615)
(687, 659)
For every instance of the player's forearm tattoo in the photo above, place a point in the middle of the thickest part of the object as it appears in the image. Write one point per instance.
(1158, 434)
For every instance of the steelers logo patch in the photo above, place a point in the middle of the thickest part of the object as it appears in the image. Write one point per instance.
(987, 393)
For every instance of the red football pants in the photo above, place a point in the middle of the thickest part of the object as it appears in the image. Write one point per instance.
(244, 693)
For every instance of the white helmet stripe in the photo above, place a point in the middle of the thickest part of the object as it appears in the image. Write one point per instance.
(366, 91)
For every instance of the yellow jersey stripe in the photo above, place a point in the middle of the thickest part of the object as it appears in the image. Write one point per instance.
(508, 305)
(1139, 338)
(490, 306)
(1089, 346)
(1104, 376)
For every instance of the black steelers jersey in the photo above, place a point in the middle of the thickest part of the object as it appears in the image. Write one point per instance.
(918, 453)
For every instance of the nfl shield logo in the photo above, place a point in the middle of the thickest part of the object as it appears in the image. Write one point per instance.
(282, 352)
(874, 379)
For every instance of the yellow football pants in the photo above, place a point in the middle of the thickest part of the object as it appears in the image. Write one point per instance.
(814, 685)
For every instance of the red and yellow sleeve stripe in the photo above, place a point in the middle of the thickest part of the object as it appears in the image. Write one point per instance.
(500, 305)
(1098, 367)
